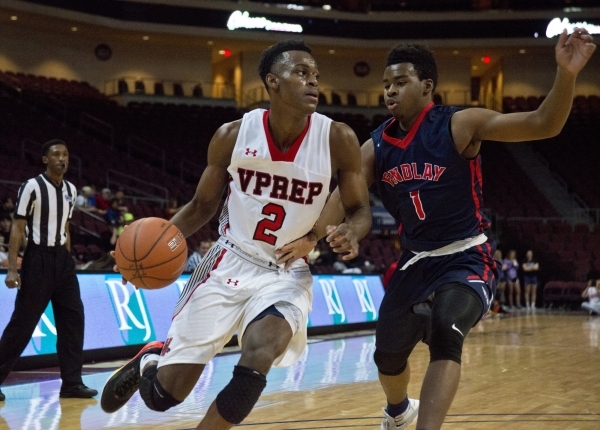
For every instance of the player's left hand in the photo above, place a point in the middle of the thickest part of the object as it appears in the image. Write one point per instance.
(296, 249)
(342, 240)
(573, 51)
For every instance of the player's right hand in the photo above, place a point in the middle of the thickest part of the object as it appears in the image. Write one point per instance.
(342, 240)
(12, 280)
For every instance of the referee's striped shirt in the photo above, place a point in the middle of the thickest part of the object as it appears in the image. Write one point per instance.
(47, 209)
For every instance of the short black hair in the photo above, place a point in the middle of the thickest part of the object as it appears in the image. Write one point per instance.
(273, 54)
(419, 56)
(46, 146)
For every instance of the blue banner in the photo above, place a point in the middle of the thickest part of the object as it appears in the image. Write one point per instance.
(119, 315)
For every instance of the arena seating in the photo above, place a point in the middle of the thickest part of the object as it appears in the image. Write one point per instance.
(184, 132)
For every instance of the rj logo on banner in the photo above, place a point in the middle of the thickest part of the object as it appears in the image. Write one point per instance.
(131, 311)
(365, 299)
(335, 307)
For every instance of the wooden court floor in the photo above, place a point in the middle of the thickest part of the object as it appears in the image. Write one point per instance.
(524, 371)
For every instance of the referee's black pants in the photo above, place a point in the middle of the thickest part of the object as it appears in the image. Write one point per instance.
(47, 275)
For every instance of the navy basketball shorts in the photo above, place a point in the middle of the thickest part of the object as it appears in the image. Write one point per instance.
(399, 327)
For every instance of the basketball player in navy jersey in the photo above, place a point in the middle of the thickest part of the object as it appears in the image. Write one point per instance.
(276, 166)
(426, 164)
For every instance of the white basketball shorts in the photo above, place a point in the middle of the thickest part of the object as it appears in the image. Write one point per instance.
(224, 294)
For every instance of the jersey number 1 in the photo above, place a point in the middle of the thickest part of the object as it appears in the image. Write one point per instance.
(416, 199)
(269, 224)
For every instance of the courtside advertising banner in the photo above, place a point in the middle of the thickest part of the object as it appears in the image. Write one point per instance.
(119, 315)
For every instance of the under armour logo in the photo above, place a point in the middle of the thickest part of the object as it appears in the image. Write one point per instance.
(231, 281)
(165, 349)
(253, 152)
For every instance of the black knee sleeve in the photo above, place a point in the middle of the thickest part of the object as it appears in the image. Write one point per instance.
(456, 308)
(153, 394)
(236, 400)
(391, 364)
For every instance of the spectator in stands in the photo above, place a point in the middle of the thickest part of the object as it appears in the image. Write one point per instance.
(8, 206)
(83, 200)
(530, 279)
(501, 285)
(510, 265)
(197, 256)
(127, 219)
(103, 201)
(113, 217)
(173, 208)
(593, 303)
(5, 225)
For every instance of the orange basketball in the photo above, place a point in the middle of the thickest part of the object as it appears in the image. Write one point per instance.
(151, 253)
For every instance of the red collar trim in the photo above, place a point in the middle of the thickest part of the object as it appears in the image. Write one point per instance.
(276, 154)
(403, 143)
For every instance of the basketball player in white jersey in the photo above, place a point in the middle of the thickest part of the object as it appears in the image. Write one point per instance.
(277, 166)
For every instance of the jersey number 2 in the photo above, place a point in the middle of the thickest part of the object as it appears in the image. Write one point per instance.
(269, 224)
(416, 199)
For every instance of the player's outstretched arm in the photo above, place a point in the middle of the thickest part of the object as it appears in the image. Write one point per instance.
(471, 126)
(212, 184)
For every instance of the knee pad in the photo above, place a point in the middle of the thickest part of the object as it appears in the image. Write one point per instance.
(446, 342)
(391, 364)
(236, 400)
(153, 394)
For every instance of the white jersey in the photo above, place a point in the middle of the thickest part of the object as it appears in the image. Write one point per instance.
(274, 197)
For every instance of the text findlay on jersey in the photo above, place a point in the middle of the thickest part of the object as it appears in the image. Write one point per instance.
(409, 171)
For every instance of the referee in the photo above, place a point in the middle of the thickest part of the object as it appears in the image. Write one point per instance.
(45, 205)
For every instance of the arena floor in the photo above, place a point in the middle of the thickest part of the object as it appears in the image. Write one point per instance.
(522, 371)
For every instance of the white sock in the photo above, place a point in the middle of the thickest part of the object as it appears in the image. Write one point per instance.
(146, 359)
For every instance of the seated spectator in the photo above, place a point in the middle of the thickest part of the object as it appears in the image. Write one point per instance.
(86, 200)
(103, 201)
(5, 226)
(197, 256)
(126, 219)
(593, 303)
(113, 218)
(173, 208)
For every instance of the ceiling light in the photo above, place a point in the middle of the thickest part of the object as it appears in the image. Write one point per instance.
(145, 37)
(522, 51)
(13, 18)
(327, 7)
(74, 29)
(210, 42)
(332, 51)
(455, 52)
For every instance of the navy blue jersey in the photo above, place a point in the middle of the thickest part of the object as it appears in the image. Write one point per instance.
(425, 184)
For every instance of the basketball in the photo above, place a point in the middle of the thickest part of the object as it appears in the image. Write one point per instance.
(151, 253)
